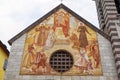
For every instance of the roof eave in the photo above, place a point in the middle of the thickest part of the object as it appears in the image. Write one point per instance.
(4, 48)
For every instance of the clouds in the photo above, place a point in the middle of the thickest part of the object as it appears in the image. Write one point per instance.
(86, 9)
(16, 15)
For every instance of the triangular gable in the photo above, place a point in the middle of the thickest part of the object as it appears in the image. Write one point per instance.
(49, 14)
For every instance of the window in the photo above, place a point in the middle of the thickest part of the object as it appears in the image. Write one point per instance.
(5, 64)
(118, 28)
(117, 3)
(61, 61)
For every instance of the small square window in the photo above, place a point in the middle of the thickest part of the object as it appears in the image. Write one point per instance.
(5, 64)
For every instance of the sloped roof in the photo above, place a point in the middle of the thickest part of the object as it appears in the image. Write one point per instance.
(4, 48)
(49, 14)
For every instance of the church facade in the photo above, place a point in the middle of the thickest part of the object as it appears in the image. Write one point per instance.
(61, 46)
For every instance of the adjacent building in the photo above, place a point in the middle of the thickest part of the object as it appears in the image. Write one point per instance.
(4, 54)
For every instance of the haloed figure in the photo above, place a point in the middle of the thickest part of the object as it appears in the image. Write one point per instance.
(82, 35)
(41, 36)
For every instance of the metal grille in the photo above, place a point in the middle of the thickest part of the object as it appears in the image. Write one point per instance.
(61, 61)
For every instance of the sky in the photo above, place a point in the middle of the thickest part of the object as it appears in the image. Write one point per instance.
(16, 15)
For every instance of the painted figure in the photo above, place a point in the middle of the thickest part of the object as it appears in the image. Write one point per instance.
(82, 35)
(82, 61)
(41, 61)
(50, 40)
(95, 55)
(47, 30)
(62, 20)
(89, 67)
(41, 37)
(29, 57)
(75, 41)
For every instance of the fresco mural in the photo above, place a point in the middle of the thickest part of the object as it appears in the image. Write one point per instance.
(61, 31)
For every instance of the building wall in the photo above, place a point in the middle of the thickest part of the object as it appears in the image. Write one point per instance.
(15, 59)
(3, 56)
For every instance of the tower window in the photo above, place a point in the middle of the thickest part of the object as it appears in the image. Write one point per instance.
(61, 61)
(117, 3)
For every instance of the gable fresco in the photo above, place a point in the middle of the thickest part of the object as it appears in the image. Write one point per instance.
(61, 31)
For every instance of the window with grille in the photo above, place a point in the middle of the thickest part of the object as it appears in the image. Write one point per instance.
(61, 61)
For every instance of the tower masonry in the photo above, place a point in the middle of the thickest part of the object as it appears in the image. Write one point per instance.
(109, 19)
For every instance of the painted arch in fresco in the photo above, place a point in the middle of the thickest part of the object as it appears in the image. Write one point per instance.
(61, 31)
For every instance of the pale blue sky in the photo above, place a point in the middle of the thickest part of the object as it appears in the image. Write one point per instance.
(16, 15)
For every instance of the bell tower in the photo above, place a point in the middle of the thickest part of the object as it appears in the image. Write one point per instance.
(109, 22)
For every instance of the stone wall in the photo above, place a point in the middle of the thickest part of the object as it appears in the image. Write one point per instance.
(14, 62)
